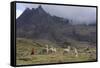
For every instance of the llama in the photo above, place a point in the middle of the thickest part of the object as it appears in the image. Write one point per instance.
(32, 52)
(76, 52)
(45, 50)
(48, 50)
(67, 50)
(52, 50)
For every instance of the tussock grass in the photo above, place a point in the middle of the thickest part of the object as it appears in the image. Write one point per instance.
(24, 57)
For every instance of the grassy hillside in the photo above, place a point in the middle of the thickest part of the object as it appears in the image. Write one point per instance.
(24, 57)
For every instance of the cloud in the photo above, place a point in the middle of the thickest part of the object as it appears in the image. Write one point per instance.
(84, 14)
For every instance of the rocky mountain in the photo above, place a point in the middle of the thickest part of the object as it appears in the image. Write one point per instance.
(38, 24)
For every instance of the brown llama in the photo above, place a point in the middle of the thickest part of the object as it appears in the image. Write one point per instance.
(32, 52)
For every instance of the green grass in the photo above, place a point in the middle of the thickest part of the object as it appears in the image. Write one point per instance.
(24, 57)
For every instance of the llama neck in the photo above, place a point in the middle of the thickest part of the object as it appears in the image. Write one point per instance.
(47, 47)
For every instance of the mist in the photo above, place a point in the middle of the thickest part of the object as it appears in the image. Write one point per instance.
(75, 13)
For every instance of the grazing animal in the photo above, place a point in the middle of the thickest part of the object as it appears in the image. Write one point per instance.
(32, 52)
(76, 52)
(45, 50)
(48, 50)
(87, 49)
(67, 50)
(52, 50)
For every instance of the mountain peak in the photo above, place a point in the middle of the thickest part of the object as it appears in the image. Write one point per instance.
(41, 10)
(40, 6)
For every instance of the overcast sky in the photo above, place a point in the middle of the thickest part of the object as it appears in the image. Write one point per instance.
(84, 14)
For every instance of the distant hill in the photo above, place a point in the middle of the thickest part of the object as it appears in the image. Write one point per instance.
(38, 24)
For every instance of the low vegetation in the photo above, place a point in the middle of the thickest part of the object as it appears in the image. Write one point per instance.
(24, 48)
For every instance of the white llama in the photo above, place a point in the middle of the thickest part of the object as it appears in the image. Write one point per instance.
(67, 50)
